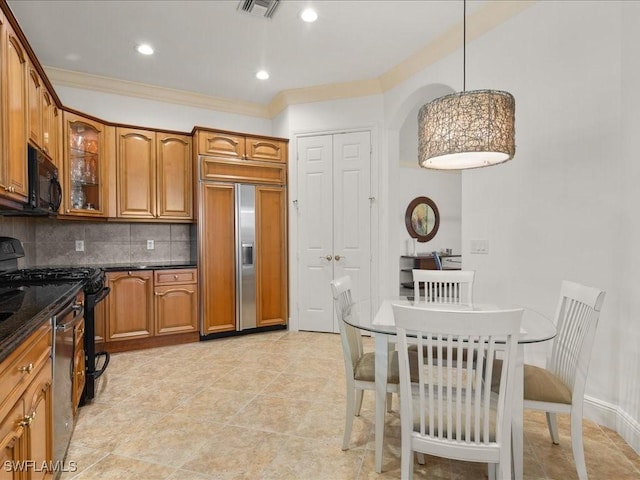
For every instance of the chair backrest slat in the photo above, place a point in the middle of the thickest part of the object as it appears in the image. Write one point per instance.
(443, 286)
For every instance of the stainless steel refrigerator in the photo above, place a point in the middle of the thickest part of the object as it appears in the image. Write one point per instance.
(245, 220)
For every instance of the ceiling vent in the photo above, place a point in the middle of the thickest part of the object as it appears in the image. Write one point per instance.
(259, 8)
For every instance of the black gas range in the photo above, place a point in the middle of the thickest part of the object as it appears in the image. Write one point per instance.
(94, 287)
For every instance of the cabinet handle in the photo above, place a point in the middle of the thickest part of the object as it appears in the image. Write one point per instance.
(26, 368)
(27, 420)
(81, 331)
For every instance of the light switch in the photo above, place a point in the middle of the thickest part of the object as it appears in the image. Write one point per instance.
(79, 245)
(480, 246)
(150, 245)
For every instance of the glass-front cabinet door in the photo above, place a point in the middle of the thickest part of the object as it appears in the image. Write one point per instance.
(86, 158)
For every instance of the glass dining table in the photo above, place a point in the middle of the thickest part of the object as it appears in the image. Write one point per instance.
(535, 327)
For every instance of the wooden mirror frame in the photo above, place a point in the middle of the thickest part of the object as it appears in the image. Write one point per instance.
(415, 203)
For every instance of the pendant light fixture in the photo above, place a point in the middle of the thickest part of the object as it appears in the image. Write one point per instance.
(467, 129)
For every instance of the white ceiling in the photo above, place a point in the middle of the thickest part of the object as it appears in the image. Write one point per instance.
(211, 48)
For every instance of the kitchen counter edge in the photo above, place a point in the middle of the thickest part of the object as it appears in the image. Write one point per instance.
(12, 338)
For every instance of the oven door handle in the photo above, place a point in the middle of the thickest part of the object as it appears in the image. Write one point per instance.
(64, 327)
(103, 294)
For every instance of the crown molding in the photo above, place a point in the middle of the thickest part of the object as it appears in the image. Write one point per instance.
(99, 83)
(492, 14)
(322, 93)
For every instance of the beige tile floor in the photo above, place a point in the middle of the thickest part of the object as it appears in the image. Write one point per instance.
(271, 406)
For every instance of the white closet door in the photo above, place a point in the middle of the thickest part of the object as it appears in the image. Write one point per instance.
(352, 215)
(334, 218)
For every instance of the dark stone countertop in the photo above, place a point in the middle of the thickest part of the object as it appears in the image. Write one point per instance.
(27, 307)
(112, 267)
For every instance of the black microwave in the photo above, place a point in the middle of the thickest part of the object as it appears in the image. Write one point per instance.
(45, 192)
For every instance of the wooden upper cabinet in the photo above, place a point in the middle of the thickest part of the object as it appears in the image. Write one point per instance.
(175, 176)
(136, 173)
(266, 150)
(221, 144)
(51, 128)
(14, 77)
(88, 154)
(34, 94)
(241, 147)
(154, 175)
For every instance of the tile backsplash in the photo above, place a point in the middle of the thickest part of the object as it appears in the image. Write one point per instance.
(53, 242)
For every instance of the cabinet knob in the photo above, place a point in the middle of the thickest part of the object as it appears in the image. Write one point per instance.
(26, 368)
(328, 258)
(175, 277)
(338, 257)
(129, 273)
(26, 421)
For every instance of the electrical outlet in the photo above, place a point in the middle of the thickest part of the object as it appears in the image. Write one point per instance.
(79, 245)
(150, 245)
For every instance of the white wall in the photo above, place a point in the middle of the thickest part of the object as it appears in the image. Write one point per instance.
(153, 114)
(626, 330)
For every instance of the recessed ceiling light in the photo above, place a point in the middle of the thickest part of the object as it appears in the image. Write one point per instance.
(309, 15)
(262, 75)
(144, 49)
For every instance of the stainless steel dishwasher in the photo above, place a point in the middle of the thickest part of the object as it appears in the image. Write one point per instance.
(64, 324)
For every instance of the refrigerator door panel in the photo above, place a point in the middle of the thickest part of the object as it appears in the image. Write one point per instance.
(246, 272)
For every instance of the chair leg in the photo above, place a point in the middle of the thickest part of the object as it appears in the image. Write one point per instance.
(349, 414)
(406, 465)
(358, 402)
(491, 467)
(577, 445)
(552, 423)
(389, 401)
(420, 457)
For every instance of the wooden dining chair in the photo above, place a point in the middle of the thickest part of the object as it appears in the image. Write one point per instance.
(359, 365)
(450, 410)
(443, 286)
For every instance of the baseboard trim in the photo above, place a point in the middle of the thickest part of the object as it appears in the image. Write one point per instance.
(612, 416)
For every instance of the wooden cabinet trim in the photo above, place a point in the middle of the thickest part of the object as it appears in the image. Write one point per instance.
(242, 171)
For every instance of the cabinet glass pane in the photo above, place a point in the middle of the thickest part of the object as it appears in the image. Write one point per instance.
(84, 163)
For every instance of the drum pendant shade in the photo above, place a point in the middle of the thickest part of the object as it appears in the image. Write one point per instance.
(469, 129)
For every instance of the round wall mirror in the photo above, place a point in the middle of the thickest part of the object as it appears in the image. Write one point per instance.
(422, 219)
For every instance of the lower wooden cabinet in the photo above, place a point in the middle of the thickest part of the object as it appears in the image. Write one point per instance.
(176, 305)
(129, 305)
(148, 308)
(26, 409)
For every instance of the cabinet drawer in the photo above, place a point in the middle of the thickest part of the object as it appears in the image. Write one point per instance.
(242, 171)
(181, 275)
(17, 370)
